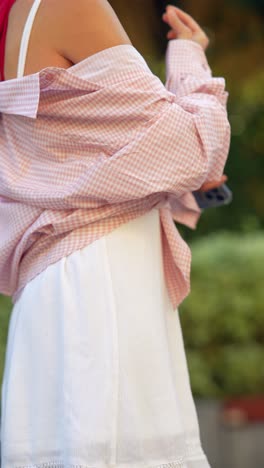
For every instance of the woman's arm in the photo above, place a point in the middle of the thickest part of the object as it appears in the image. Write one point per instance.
(84, 27)
(149, 138)
(89, 26)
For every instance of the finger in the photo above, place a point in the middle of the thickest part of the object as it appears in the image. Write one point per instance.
(213, 184)
(171, 34)
(175, 22)
(187, 20)
(210, 185)
(165, 18)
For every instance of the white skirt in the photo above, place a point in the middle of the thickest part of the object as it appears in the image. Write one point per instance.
(95, 372)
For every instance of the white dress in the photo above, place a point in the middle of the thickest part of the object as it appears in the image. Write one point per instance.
(95, 372)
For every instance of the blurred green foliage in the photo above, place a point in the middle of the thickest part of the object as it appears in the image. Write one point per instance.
(223, 317)
(5, 311)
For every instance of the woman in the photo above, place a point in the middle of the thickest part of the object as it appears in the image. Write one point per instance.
(98, 158)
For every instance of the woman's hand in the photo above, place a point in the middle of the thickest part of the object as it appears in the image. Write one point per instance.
(214, 184)
(183, 26)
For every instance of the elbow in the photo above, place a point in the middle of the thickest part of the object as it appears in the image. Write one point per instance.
(213, 135)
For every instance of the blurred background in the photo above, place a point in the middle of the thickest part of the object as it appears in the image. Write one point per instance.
(223, 317)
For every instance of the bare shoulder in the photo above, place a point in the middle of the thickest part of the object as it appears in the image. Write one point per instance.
(84, 27)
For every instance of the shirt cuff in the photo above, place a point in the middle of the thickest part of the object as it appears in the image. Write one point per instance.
(185, 209)
(185, 57)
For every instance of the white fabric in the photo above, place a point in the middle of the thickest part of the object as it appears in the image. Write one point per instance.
(25, 38)
(91, 382)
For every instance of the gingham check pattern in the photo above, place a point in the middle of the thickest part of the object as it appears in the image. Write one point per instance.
(86, 149)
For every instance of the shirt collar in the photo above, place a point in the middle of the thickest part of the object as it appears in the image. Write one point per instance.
(20, 96)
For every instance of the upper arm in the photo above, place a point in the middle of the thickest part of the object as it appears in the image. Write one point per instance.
(85, 27)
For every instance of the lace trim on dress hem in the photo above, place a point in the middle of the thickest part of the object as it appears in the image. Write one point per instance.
(174, 464)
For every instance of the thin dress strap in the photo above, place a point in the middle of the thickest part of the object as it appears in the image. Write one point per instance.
(25, 38)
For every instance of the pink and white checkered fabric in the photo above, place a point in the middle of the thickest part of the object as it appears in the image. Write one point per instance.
(86, 149)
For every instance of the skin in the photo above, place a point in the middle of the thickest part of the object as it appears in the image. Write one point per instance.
(85, 28)
(183, 26)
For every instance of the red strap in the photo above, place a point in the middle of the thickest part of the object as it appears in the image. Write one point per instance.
(5, 7)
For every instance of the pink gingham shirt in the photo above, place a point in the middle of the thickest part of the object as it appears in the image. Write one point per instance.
(86, 149)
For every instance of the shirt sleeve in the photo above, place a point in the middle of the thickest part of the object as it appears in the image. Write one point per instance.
(185, 142)
(184, 65)
(129, 137)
